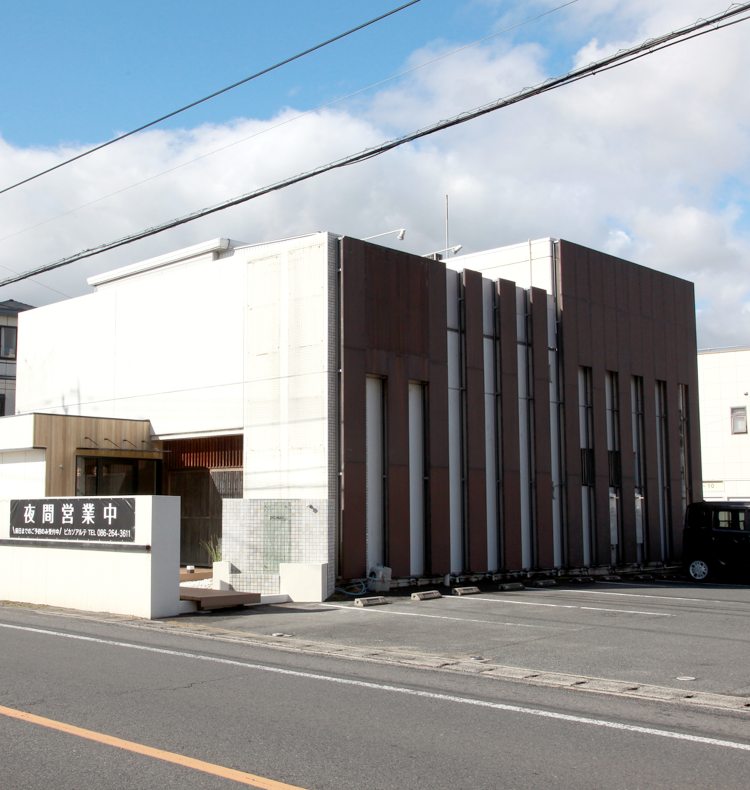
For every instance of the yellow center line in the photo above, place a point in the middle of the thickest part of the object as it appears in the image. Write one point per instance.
(159, 754)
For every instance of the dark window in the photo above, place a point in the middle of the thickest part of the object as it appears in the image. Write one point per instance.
(739, 419)
(587, 467)
(699, 517)
(2, 405)
(8, 335)
(116, 476)
(615, 474)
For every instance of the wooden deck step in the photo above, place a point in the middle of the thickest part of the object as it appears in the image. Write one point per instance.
(217, 599)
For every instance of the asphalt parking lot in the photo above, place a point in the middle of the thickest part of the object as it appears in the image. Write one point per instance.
(647, 632)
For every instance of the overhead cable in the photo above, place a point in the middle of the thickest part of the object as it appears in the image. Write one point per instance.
(206, 98)
(287, 121)
(620, 58)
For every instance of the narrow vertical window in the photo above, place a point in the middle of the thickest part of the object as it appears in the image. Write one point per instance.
(417, 478)
(684, 435)
(586, 428)
(376, 471)
(612, 395)
(739, 419)
(525, 424)
(8, 336)
(662, 463)
(639, 463)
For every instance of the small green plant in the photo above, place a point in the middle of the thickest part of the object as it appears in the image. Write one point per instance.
(213, 547)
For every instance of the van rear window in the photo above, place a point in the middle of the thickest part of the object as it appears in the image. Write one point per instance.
(731, 519)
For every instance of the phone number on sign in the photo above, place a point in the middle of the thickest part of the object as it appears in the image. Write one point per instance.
(74, 533)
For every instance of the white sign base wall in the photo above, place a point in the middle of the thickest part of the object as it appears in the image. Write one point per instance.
(139, 578)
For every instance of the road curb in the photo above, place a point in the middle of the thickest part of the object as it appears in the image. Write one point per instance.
(452, 664)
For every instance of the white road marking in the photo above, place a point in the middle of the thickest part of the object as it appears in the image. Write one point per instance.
(560, 605)
(422, 614)
(658, 597)
(545, 714)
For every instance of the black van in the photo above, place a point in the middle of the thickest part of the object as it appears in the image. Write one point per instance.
(716, 539)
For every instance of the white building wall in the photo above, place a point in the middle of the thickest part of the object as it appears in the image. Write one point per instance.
(22, 467)
(724, 383)
(187, 344)
(22, 474)
(164, 345)
(17, 432)
(220, 338)
(289, 368)
(530, 264)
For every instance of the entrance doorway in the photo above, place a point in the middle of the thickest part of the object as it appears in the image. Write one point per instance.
(200, 505)
(202, 472)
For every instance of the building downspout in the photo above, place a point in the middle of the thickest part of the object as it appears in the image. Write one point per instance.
(339, 339)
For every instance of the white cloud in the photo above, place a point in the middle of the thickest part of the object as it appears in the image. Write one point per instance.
(634, 161)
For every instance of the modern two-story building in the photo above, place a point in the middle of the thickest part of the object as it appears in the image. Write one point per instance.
(321, 399)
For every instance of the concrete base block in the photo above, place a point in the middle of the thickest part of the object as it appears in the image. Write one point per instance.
(222, 572)
(304, 582)
(275, 599)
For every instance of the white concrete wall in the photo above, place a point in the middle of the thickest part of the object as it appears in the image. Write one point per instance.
(165, 345)
(215, 339)
(17, 433)
(143, 584)
(22, 474)
(225, 341)
(289, 399)
(724, 383)
(528, 264)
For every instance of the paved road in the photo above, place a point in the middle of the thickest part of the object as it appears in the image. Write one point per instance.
(645, 633)
(320, 722)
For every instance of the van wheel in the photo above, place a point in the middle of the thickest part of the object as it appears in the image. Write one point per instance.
(699, 570)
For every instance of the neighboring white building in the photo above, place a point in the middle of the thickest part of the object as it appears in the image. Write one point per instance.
(724, 384)
(9, 311)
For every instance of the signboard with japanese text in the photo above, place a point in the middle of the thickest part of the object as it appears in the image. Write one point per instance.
(73, 519)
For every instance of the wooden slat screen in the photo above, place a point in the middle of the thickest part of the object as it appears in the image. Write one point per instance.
(211, 452)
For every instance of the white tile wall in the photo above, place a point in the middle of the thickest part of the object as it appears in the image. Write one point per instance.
(260, 533)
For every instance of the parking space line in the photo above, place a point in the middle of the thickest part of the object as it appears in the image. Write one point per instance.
(658, 597)
(539, 712)
(149, 751)
(560, 605)
(422, 614)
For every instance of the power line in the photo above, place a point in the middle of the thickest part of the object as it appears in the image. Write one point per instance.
(206, 98)
(620, 58)
(284, 123)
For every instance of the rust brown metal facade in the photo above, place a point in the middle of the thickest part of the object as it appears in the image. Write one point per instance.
(611, 316)
(393, 327)
(622, 317)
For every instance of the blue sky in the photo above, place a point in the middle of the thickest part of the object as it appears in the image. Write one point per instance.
(650, 162)
(81, 71)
